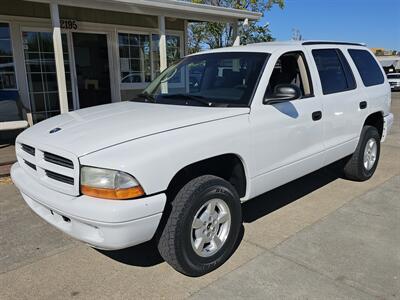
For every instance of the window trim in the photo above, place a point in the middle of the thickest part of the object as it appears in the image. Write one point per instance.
(13, 57)
(344, 72)
(302, 54)
(341, 57)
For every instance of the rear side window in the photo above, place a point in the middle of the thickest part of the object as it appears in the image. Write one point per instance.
(334, 71)
(367, 66)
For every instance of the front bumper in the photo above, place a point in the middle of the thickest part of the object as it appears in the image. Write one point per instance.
(387, 125)
(104, 224)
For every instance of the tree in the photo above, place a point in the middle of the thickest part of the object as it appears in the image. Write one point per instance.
(216, 35)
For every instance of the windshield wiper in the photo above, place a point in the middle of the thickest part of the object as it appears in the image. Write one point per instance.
(186, 97)
(147, 97)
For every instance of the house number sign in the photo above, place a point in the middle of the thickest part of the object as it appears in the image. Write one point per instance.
(69, 24)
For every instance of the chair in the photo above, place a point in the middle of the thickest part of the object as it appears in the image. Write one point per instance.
(11, 111)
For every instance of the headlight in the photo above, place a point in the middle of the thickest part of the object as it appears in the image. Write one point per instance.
(109, 184)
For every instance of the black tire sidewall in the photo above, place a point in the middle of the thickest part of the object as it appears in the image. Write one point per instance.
(188, 257)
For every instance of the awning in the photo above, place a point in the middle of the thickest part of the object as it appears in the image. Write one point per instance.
(168, 8)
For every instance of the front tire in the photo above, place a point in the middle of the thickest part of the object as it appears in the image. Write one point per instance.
(364, 161)
(203, 227)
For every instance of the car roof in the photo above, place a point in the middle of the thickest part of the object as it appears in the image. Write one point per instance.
(270, 47)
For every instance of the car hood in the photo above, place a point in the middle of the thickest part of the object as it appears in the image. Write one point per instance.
(87, 130)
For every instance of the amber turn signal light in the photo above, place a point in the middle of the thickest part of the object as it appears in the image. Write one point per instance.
(117, 194)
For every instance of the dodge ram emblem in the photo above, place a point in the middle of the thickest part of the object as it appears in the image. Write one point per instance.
(54, 130)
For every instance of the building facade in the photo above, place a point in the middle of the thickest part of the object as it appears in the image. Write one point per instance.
(58, 56)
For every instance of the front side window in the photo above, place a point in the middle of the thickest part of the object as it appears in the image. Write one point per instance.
(332, 73)
(291, 68)
(7, 68)
(370, 72)
(215, 79)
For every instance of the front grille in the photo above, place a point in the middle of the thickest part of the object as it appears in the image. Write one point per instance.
(58, 160)
(28, 149)
(55, 170)
(60, 177)
(30, 164)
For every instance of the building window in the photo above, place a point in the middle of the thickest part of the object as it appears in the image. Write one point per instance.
(134, 55)
(42, 76)
(173, 51)
(7, 68)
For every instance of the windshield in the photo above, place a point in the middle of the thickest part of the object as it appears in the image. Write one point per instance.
(214, 79)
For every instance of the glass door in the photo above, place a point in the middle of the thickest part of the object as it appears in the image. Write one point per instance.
(92, 68)
(41, 74)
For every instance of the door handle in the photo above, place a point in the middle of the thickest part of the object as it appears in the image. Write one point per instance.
(317, 115)
(363, 104)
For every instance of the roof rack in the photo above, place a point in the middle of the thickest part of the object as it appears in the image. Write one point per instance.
(330, 43)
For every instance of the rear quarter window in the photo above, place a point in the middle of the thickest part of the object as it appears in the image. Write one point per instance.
(334, 72)
(370, 72)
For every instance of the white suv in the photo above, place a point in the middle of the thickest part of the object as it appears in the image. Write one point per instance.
(215, 130)
(394, 81)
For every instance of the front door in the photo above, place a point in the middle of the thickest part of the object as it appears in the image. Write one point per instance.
(287, 140)
(92, 69)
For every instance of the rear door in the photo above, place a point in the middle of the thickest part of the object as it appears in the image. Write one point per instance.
(372, 79)
(343, 105)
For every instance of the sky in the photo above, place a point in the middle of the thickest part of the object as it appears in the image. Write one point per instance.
(374, 22)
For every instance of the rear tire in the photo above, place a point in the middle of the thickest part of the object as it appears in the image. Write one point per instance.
(364, 161)
(202, 230)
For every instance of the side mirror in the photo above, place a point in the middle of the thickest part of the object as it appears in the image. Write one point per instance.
(283, 93)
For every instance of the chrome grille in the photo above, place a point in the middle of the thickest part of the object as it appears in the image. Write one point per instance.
(58, 160)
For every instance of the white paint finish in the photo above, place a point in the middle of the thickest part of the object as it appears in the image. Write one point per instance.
(163, 43)
(276, 143)
(59, 58)
(107, 236)
(388, 123)
(103, 124)
(283, 136)
(173, 150)
(85, 207)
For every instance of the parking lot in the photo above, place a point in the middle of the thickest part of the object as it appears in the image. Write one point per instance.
(320, 236)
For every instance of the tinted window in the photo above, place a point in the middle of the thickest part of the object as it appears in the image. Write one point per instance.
(351, 82)
(331, 71)
(367, 66)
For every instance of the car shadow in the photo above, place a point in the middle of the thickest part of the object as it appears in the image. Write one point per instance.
(147, 255)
